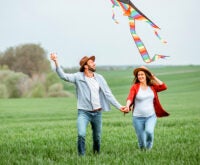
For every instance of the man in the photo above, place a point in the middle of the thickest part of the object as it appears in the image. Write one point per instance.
(93, 96)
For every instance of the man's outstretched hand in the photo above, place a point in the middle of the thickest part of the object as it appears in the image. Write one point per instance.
(53, 56)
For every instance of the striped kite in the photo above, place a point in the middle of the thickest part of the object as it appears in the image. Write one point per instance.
(130, 10)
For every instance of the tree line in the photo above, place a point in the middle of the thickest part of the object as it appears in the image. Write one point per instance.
(29, 59)
(25, 71)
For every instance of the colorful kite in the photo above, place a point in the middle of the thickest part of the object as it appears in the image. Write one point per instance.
(133, 14)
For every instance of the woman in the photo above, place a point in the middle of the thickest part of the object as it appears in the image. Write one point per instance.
(146, 106)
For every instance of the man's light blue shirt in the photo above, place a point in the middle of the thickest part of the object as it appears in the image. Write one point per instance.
(83, 92)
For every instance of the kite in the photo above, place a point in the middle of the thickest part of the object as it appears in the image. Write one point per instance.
(130, 10)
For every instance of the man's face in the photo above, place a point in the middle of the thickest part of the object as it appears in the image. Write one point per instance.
(91, 65)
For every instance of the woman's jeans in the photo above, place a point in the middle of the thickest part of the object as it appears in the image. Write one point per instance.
(95, 118)
(144, 127)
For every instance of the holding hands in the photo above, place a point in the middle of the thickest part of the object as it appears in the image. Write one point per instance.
(124, 109)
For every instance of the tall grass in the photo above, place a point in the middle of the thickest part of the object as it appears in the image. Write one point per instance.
(43, 131)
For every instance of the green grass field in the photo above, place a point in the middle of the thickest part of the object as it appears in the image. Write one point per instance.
(43, 131)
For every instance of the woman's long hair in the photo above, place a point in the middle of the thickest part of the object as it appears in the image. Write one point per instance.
(149, 79)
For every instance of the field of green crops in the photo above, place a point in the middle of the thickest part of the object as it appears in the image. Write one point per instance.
(43, 130)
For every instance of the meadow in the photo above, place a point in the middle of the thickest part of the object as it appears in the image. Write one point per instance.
(43, 130)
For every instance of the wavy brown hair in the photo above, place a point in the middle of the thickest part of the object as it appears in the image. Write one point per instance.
(149, 79)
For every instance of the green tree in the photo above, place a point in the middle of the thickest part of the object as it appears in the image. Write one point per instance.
(28, 58)
(8, 58)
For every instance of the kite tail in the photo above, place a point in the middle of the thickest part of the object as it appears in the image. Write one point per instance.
(161, 39)
(158, 56)
(140, 45)
(130, 10)
(113, 15)
(142, 17)
(133, 12)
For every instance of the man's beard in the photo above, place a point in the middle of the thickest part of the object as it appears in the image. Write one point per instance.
(91, 69)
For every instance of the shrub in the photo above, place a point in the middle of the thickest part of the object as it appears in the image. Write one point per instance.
(38, 91)
(3, 91)
(4, 74)
(14, 83)
(56, 90)
(51, 78)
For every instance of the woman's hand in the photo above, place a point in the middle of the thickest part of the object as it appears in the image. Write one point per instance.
(124, 109)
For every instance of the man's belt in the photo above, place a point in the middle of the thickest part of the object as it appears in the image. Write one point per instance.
(96, 110)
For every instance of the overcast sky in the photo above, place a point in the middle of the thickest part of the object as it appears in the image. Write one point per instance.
(74, 28)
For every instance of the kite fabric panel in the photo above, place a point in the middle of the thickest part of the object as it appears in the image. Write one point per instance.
(130, 10)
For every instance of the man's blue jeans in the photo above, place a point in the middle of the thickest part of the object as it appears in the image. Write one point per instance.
(144, 128)
(95, 118)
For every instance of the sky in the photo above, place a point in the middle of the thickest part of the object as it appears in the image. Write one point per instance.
(75, 28)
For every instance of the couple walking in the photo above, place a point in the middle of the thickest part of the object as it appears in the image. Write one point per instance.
(95, 96)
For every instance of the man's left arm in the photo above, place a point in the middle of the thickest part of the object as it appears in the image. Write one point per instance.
(109, 95)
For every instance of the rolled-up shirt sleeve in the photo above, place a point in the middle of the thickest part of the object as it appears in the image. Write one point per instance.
(159, 88)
